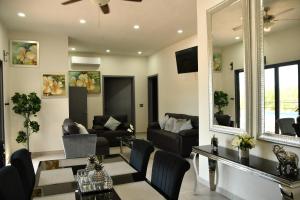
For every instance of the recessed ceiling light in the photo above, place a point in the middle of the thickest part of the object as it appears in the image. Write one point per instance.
(73, 49)
(237, 37)
(136, 27)
(82, 21)
(107, 51)
(140, 52)
(20, 14)
(180, 31)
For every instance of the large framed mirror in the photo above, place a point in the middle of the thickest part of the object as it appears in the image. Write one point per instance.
(229, 67)
(278, 36)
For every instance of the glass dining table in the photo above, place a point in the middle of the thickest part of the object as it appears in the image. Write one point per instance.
(56, 179)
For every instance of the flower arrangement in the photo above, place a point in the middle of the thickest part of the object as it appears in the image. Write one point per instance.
(243, 142)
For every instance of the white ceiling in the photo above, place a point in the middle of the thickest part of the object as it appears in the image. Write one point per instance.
(159, 21)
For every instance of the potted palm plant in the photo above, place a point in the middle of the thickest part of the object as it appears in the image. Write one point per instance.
(27, 106)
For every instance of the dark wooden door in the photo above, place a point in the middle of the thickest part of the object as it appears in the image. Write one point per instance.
(118, 97)
(153, 99)
(78, 105)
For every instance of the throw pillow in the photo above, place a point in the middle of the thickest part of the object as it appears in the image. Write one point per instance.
(82, 129)
(170, 124)
(178, 124)
(163, 121)
(112, 124)
(186, 126)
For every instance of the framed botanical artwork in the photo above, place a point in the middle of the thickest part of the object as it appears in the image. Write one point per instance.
(217, 62)
(24, 53)
(88, 79)
(54, 85)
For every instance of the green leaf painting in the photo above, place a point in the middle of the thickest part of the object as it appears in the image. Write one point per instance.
(88, 79)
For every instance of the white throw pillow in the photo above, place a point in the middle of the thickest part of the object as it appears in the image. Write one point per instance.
(178, 124)
(163, 121)
(82, 129)
(112, 124)
(186, 126)
(170, 124)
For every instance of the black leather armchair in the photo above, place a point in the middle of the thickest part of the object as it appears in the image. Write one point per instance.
(111, 136)
(180, 143)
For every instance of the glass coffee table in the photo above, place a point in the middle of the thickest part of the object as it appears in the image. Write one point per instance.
(126, 141)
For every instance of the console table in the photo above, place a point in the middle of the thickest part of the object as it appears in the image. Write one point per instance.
(289, 186)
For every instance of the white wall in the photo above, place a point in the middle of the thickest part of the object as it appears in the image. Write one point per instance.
(178, 93)
(54, 58)
(113, 65)
(240, 184)
(4, 46)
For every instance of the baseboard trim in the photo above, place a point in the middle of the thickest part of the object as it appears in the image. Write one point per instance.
(221, 190)
(45, 153)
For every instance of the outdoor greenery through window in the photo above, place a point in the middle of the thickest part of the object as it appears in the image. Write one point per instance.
(281, 93)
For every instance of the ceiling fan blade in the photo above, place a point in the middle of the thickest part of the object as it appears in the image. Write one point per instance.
(237, 28)
(70, 1)
(105, 9)
(284, 11)
(287, 19)
(134, 0)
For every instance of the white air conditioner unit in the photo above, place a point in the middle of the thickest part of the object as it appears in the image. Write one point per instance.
(91, 61)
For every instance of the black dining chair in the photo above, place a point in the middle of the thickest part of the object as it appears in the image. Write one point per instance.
(167, 173)
(21, 160)
(10, 184)
(140, 154)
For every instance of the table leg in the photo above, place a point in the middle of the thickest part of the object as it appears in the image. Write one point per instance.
(289, 193)
(121, 147)
(213, 177)
(196, 170)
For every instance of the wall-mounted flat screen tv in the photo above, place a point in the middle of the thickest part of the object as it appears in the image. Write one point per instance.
(187, 60)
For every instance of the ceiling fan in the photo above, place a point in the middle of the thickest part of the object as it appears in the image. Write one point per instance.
(102, 3)
(269, 19)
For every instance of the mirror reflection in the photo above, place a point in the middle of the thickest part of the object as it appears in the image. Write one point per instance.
(281, 22)
(228, 74)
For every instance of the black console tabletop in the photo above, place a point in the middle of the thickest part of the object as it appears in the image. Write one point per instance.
(256, 165)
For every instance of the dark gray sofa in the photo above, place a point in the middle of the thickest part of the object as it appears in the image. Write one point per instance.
(111, 136)
(180, 143)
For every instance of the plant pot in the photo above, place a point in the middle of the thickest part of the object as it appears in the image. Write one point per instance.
(223, 120)
(243, 153)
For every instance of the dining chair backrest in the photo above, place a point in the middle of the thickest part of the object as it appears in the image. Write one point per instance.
(10, 184)
(286, 126)
(140, 154)
(21, 160)
(167, 173)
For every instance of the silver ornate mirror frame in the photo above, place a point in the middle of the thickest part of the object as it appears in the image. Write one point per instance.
(247, 67)
(259, 34)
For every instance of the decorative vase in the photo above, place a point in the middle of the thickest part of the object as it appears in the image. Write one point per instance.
(243, 153)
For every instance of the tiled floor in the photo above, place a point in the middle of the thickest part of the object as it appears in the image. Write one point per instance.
(186, 192)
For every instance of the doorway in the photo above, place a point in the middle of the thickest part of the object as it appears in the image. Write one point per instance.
(119, 96)
(2, 134)
(153, 98)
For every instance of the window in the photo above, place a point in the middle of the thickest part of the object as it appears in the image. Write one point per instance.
(281, 93)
